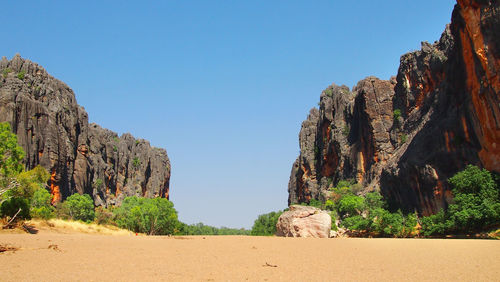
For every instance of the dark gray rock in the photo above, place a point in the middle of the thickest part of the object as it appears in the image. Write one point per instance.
(81, 157)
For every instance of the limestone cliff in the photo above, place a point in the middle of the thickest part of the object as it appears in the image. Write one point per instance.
(407, 136)
(81, 157)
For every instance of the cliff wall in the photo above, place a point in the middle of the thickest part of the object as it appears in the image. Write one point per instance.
(407, 136)
(81, 157)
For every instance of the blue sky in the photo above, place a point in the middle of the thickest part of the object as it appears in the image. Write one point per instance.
(222, 85)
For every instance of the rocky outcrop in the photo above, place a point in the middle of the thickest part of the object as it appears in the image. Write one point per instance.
(304, 221)
(407, 136)
(81, 157)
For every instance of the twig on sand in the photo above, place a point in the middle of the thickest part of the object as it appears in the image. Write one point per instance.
(12, 219)
(54, 247)
(7, 248)
(270, 265)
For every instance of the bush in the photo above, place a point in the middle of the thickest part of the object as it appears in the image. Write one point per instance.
(265, 224)
(435, 224)
(374, 201)
(27, 182)
(476, 201)
(329, 92)
(21, 74)
(346, 130)
(330, 205)
(11, 206)
(104, 216)
(202, 229)
(78, 207)
(315, 203)
(404, 138)
(396, 115)
(6, 72)
(351, 205)
(136, 162)
(357, 223)
(11, 154)
(387, 223)
(40, 205)
(151, 216)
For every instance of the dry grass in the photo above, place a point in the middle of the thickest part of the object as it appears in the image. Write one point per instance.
(68, 226)
(495, 234)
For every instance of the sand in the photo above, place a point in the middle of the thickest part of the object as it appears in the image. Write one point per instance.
(49, 256)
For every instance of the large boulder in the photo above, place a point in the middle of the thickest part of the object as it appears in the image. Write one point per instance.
(304, 221)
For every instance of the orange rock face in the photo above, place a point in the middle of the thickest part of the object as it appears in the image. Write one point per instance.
(54, 188)
(482, 66)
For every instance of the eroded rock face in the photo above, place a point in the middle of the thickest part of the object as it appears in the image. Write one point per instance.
(304, 221)
(448, 97)
(81, 157)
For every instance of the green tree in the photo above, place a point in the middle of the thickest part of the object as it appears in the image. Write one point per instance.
(435, 224)
(351, 205)
(22, 189)
(265, 224)
(155, 216)
(476, 200)
(78, 207)
(27, 182)
(11, 157)
(374, 201)
(40, 204)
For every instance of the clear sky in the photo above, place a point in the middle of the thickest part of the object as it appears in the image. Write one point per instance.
(222, 85)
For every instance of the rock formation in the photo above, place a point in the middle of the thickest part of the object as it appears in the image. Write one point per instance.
(304, 221)
(407, 136)
(81, 157)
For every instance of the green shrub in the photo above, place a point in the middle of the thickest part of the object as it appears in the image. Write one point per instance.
(12, 205)
(155, 216)
(315, 203)
(476, 200)
(21, 74)
(40, 204)
(202, 229)
(265, 224)
(104, 216)
(329, 92)
(387, 223)
(330, 205)
(6, 72)
(27, 182)
(404, 137)
(396, 114)
(435, 224)
(374, 201)
(334, 216)
(351, 205)
(356, 223)
(410, 225)
(78, 207)
(346, 130)
(136, 162)
(11, 155)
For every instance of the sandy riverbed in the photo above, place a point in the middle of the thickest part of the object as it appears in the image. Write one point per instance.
(87, 257)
